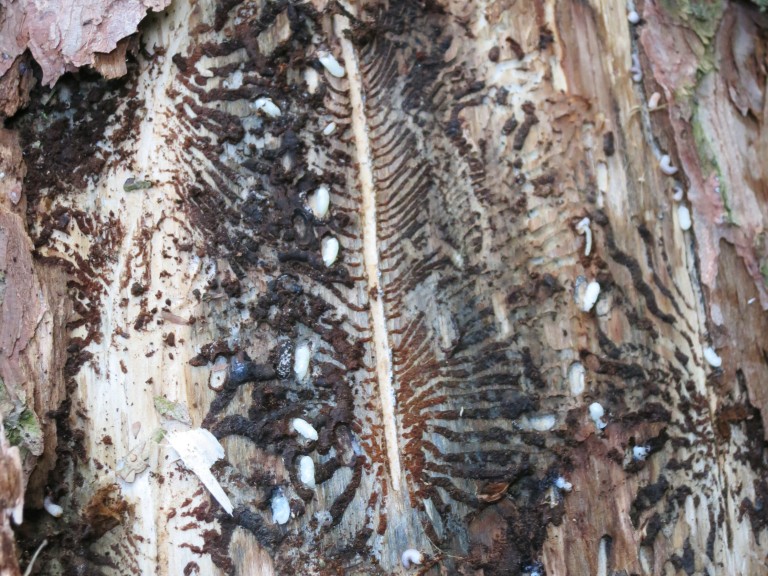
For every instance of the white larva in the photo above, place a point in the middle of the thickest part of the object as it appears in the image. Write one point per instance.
(330, 129)
(281, 508)
(684, 217)
(305, 429)
(591, 293)
(301, 361)
(307, 472)
(636, 69)
(583, 228)
(633, 17)
(330, 250)
(266, 106)
(677, 196)
(653, 101)
(666, 167)
(411, 557)
(563, 484)
(542, 423)
(319, 201)
(576, 378)
(52, 508)
(712, 358)
(640, 453)
(331, 64)
(596, 412)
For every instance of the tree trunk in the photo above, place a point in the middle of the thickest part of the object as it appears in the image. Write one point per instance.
(538, 349)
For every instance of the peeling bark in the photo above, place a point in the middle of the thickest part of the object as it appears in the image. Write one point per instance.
(458, 344)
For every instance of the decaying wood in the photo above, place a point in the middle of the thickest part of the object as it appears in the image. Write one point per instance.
(167, 266)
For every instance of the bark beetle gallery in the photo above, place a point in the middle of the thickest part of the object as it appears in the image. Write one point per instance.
(403, 286)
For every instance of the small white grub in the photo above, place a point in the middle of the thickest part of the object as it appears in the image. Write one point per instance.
(281, 508)
(712, 358)
(307, 472)
(636, 69)
(633, 17)
(596, 412)
(52, 508)
(199, 450)
(751, 300)
(330, 250)
(331, 64)
(576, 378)
(586, 296)
(305, 429)
(312, 79)
(563, 484)
(266, 106)
(301, 360)
(329, 129)
(411, 557)
(542, 423)
(653, 101)
(678, 194)
(319, 201)
(684, 217)
(583, 228)
(666, 167)
(640, 453)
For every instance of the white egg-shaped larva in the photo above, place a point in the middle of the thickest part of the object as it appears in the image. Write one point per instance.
(665, 163)
(307, 471)
(52, 508)
(596, 412)
(305, 429)
(712, 358)
(589, 296)
(319, 201)
(329, 129)
(577, 378)
(563, 484)
(266, 106)
(684, 217)
(640, 453)
(281, 508)
(330, 63)
(542, 423)
(301, 361)
(633, 17)
(411, 557)
(330, 250)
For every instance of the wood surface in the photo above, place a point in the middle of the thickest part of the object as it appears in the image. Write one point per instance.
(161, 266)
